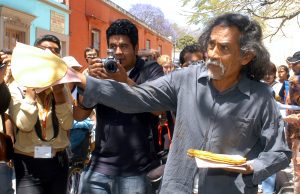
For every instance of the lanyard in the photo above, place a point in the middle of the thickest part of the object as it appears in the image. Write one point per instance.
(44, 115)
(160, 128)
(41, 128)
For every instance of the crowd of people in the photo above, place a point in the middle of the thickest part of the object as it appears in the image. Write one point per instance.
(223, 99)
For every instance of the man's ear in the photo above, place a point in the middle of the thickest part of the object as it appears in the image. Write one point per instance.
(247, 57)
(136, 49)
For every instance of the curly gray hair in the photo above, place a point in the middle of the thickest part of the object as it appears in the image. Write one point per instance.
(250, 41)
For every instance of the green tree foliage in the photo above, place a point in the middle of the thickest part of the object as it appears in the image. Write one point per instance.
(185, 40)
(276, 12)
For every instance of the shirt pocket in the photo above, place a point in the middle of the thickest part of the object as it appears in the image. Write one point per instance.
(238, 131)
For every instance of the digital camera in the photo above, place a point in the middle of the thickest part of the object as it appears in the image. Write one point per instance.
(110, 63)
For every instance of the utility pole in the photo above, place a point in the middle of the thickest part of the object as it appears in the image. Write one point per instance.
(173, 40)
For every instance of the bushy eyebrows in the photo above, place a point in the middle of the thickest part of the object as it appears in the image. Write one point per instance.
(223, 43)
(122, 44)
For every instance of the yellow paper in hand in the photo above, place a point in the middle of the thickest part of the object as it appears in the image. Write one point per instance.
(36, 68)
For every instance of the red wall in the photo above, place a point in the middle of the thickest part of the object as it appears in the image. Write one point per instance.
(87, 15)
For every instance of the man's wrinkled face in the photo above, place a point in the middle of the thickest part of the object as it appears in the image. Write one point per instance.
(224, 56)
(124, 50)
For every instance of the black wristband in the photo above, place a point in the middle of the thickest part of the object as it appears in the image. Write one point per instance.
(80, 90)
(81, 105)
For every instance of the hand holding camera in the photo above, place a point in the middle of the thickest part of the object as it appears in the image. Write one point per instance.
(110, 63)
(30, 94)
(4, 60)
(108, 68)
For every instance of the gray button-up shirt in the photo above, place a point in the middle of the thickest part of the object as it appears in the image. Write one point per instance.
(242, 120)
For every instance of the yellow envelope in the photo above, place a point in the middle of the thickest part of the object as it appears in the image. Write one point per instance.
(36, 68)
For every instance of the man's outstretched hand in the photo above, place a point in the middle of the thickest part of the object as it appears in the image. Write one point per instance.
(245, 169)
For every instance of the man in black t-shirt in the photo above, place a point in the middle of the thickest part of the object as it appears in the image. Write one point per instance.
(122, 153)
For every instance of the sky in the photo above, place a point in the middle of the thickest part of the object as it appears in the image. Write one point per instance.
(171, 9)
(280, 47)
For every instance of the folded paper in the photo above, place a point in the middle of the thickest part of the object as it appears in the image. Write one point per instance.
(201, 163)
(69, 77)
(36, 68)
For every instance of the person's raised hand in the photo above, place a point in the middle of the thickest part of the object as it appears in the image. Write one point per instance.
(246, 169)
(120, 75)
(59, 93)
(30, 94)
(58, 89)
(95, 68)
(4, 59)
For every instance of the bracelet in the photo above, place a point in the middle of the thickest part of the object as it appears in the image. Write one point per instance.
(79, 104)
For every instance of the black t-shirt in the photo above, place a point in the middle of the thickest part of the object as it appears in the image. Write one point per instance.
(122, 140)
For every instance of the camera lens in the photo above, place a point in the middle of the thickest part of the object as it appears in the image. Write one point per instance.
(110, 65)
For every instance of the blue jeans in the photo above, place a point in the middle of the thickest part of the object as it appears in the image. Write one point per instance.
(41, 175)
(6, 174)
(268, 185)
(96, 183)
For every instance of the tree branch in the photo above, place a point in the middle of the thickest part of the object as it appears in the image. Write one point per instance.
(266, 2)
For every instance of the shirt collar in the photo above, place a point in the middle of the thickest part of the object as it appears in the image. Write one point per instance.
(244, 84)
(137, 66)
(203, 72)
(128, 72)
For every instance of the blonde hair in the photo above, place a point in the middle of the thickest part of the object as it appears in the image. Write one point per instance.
(163, 59)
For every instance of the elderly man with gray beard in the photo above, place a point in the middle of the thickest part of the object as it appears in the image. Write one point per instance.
(221, 107)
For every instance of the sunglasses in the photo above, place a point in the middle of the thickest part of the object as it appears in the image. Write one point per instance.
(52, 49)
